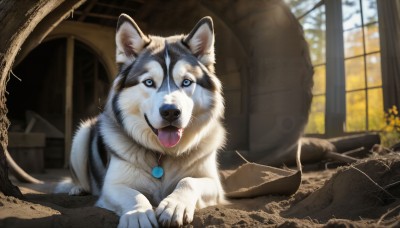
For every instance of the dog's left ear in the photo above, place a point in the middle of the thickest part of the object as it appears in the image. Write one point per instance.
(201, 41)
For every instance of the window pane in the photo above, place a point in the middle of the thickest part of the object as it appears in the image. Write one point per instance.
(370, 12)
(355, 78)
(314, 32)
(353, 42)
(319, 80)
(376, 119)
(316, 119)
(351, 14)
(374, 76)
(355, 111)
(371, 38)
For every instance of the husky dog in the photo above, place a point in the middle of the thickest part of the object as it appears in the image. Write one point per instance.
(151, 154)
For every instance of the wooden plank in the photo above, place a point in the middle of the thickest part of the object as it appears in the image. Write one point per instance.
(351, 142)
(26, 140)
(68, 98)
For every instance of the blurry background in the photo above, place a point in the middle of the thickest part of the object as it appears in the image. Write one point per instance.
(273, 58)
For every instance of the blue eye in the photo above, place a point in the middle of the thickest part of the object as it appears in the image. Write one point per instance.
(186, 83)
(149, 83)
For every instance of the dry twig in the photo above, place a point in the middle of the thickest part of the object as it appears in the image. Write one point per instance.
(241, 156)
(387, 213)
(370, 179)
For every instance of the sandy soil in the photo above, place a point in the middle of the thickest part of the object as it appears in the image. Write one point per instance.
(366, 194)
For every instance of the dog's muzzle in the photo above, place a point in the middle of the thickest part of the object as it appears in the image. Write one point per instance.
(168, 136)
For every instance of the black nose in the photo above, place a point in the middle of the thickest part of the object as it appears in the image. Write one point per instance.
(170, 112)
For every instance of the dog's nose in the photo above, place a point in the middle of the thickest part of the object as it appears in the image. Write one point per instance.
(170, 112)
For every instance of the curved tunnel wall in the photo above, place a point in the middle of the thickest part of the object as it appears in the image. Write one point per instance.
(280, 76)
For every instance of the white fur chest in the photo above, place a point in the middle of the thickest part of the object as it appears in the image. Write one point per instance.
(138, 176)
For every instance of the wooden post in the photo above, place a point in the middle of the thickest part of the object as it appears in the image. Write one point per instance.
(69, 80)
(335, 116)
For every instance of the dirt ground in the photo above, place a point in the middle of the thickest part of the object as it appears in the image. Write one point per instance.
(366, 194)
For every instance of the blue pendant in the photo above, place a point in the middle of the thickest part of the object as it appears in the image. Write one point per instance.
(157, 172)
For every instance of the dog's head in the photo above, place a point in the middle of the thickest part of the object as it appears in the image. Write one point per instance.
(166, 94)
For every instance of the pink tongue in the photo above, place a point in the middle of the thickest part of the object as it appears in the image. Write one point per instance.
(169, 136)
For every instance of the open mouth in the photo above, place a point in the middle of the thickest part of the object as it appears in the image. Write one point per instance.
(168, 136)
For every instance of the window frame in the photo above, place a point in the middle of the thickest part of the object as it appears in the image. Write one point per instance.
(335, 91)
(366, 88)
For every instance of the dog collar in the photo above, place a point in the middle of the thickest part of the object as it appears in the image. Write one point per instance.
(158, 171)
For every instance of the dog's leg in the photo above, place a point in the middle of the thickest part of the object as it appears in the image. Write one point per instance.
(178, 208)
(133, 207)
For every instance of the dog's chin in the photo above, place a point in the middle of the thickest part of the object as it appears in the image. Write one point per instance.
(168, 136)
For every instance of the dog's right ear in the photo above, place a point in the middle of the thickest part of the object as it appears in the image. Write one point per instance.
(130, 40)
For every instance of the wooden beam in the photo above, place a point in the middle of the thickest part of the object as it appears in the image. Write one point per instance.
(69, 80)
(97, 15)
(88, 8)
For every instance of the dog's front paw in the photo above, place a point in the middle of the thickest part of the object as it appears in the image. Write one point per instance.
(138, 218)
(175, 212)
